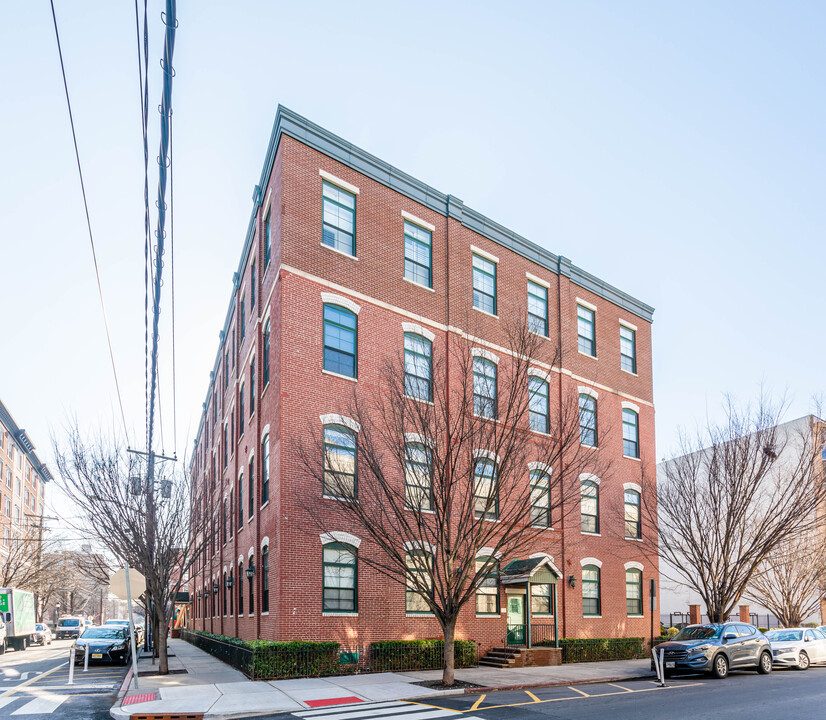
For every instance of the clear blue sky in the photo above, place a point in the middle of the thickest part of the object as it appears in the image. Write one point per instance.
(675, 150)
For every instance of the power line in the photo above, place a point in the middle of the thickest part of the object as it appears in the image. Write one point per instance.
(88, 221)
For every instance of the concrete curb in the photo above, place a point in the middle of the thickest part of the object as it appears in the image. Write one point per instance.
(124, 686)
(528, 686)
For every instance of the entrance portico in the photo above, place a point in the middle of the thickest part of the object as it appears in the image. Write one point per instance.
(518, 578)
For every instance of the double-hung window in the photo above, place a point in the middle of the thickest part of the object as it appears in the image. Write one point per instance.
(265, 470)
(633, 591)
(339, 462)
(540, 499)
(418, 352)
(265, 579)
(485, 490)
(484, 388)
(537, 308)
(487, 592)
(538, 405)
(628, 349)
(267, 239)
(243, 328)
(586, 337)
(630, 433)
(251, 508)
(633, 524)
(418, 254)
(542, 599)
(589, 506)
(339, 219)
(240, 501)
(419, 582)
(265, 367)
(340, 341)
(591, 595)
(252, 386)
(418, 488)
(340, 568)
(484, 284)
(587, 420)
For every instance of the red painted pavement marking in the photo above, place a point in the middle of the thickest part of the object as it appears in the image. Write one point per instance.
(333, 701)
(131, 699)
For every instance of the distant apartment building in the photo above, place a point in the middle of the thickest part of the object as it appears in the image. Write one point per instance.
(348, 261)
(23, 479)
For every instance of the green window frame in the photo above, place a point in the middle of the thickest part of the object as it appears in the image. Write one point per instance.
(241, 588)
(338, 227)
(340, 341)
(418, 254)
(241, 421)
(484, 284)
(265, 579)
(265, 470)
(633, 592)
(485, 489)
(340, 578)
(484, 388)
(542, 599)
(591, 591)
(539, 409)
(243, 323)
(267, 239)
(252, 284)
(252, 387)
(589, 506)
(418, 367)
(487, 592)
(633, 520)
(419, 565)
(588, 420)
(630, 433)
(418, 484)
(540, 498)
(628, 349)
(251, 490)
(251, 587)
(241, 501)
(265, 367)
(586, 336)
(340, 473)
(538, 308)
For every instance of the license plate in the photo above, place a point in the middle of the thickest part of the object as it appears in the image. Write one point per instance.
(668, 664)
(99, 656)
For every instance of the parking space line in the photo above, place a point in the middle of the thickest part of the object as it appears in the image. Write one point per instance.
(621, 687)
(33, 680)
(532, 696)
(477, 703)
(577, 690)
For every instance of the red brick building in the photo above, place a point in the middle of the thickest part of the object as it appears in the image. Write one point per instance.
(348, 260)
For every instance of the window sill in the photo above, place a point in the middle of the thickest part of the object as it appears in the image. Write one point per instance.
(542, 527)
(588, 355)
(419, 615)
(592, 617)
(419, 285)
(636, 616)
(489, 616)
(266, 387)
(485, 312)
(341, 614)
(583, 532)
(339, 252)
(251, 518)
(631, 457)
(265, 505)
(628, 372)
(634, 539)
(590, 447)
(542, 335)
(339, 375)
(419, 510)
(265, 613)
(413, 397)
(338, 498)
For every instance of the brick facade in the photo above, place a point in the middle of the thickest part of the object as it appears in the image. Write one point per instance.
(288, 300)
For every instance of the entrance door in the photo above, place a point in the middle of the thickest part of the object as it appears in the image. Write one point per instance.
(516, 619)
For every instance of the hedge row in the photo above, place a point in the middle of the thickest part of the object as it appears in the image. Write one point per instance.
(597, 649)
(398, 655)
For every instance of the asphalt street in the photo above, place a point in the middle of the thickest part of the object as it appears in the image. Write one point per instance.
(741, 695)
(34, 683)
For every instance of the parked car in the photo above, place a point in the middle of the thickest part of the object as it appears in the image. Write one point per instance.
(69, 626)
(42, 634)
(125, 623)
(716, 649)
(797, 647)
(104, 643)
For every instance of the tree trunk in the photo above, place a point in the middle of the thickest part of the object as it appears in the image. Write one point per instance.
(160, 644)
(449, 630)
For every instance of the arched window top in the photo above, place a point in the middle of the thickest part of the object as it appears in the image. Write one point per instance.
(251, 552)
(486, 455)
(418, 439)
(536, 372)
(265, 542)
(539, 467)
(419, 546)
(486, 552)
(633, 565)
(590, 392)
(485, 354)
(585, 562)
(333, 419)
(337, 536)
(265, 432)
(630, 407)
(341, 301)
(413, 328)
(632, 486)
(589, 477)
(240, 559)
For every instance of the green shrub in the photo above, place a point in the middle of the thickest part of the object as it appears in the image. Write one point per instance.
(661, 639)
(672, 631)
(400, 655)
(762, 629)
(597, 649)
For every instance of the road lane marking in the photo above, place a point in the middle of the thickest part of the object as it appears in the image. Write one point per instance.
(34, 679)
(41, 705)
(576, 690)
(478, 703)
(532, 696)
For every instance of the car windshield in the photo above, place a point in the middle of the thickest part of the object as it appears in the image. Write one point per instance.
(116, 622)
(69, 622)
(39, 627)
(700, 632)
(785, 635)
(109, 633)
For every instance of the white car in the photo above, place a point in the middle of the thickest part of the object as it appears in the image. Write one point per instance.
(797, 647)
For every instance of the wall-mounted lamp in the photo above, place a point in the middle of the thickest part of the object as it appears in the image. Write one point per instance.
(250, 571)
(229, 582)
(572, 581)
(215, 587)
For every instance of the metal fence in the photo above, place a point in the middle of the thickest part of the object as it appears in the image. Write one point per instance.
(595, 650)
(680, 619)
(541, 634)
(279, 661)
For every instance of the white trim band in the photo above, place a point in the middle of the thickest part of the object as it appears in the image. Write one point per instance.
(418, 221)
(487, 354)
(588, 391)
(590, 561)
(418, 330)
(589, 476)
(630, 406)
(634, 564)
(333, 299)
(334, 419)
(632, 486)
(341, 537)
(482, 253)
(537, 280)
(489, 454)
(343, 184)
(586, 304)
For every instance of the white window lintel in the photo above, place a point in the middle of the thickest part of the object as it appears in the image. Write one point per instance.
(343, 184)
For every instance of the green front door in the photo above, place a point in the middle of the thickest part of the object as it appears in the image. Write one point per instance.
(516, 619)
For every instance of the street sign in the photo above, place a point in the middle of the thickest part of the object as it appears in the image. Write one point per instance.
(117, 583)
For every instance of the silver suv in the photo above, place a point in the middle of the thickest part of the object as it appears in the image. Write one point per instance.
(717, 648)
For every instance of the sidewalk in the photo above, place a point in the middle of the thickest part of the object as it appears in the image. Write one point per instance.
(211, 687)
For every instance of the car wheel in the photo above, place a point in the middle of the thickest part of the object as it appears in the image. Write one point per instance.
(764, 667)
(803, 661)
(3, 647)
(720, 667)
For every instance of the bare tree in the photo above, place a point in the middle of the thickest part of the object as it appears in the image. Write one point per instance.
(454, 443)
(154, 532)
(733, 495)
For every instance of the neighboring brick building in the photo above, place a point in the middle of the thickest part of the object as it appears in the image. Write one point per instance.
(345, 259)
